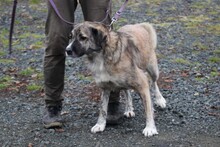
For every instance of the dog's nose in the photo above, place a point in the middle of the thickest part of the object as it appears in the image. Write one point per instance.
(69, 52)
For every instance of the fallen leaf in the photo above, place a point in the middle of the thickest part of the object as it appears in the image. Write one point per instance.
(64, 112)
(30, 144)
(34, 75)
(59, 130)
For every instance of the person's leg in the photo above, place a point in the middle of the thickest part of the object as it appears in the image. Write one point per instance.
(95, 10)
(57, 33)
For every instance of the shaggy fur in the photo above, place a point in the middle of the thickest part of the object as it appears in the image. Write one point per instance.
(120, 60)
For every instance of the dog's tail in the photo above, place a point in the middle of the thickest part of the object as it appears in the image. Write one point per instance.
(153, 36)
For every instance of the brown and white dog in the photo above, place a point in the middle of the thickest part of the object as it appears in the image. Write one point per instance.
(120, 60)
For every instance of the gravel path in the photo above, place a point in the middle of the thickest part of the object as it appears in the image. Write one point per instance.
(189, 58)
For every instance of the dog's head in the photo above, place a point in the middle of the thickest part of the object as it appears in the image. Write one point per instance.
(87, 38)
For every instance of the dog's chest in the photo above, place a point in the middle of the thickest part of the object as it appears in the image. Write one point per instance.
(102, 76)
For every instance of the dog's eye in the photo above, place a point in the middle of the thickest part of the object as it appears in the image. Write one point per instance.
(82, 38)
(70, 36)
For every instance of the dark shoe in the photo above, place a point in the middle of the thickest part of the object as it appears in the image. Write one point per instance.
(52, 118)
(115, 113)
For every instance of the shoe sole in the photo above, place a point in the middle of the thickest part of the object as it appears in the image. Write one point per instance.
(53, 125)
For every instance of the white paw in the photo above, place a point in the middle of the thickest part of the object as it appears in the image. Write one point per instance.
(98, 128)
(150, 131)
(161, 102)
(129, 114)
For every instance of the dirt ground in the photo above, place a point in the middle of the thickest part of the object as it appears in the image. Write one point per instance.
(189, 60)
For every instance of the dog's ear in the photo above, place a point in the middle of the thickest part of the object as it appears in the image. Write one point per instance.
(100, 37)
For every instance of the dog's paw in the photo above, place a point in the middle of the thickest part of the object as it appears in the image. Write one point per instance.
(129, 114)
(149, 131)
(98, 128)
(161, 102)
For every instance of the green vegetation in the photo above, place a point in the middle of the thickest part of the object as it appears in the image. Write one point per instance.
(5, 82)
(214, 59)
(32, 35)
(34, 2)
(33, 87)
(214, 28)
(82, 77)
(6, 61)
(181, 61)
(4, 38)
(217, 51)
(200, 46)
(27, 72)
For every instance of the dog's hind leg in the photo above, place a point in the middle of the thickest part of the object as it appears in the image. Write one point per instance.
(129, 109)
(153, 71)
(160, 100)
(101, 123)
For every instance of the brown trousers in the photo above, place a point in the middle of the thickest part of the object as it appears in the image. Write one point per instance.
(57, 33)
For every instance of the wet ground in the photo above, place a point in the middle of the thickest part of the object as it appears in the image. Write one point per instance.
(189, 61)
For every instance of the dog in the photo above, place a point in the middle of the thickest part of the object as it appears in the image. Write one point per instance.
(120, 60)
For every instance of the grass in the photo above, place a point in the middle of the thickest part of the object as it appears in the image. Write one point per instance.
(27, 72)
(31, 35)
(181, 61)
(2, 53)
(4, 37)
(214, 59)
(34, 2)
(215, 73)
(200, 5)
(6, 61)
(33, 87)
(5, 82)
(214, 29)
(82, 77)
(217, 51)
(200, 46)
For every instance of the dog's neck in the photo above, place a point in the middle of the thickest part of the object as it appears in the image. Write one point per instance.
(113, 50)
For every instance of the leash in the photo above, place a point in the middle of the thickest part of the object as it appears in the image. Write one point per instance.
(118, 13)
(12, 25)
(114, 19)
(58, 13)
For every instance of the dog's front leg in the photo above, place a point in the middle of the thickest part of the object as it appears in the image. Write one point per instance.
(143, 88)
(101, 123)
(150, 128)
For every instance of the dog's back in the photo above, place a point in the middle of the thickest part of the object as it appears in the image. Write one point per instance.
(140, 32)
(144, 38)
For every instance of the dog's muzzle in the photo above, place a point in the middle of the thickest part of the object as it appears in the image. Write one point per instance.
(69, 51)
